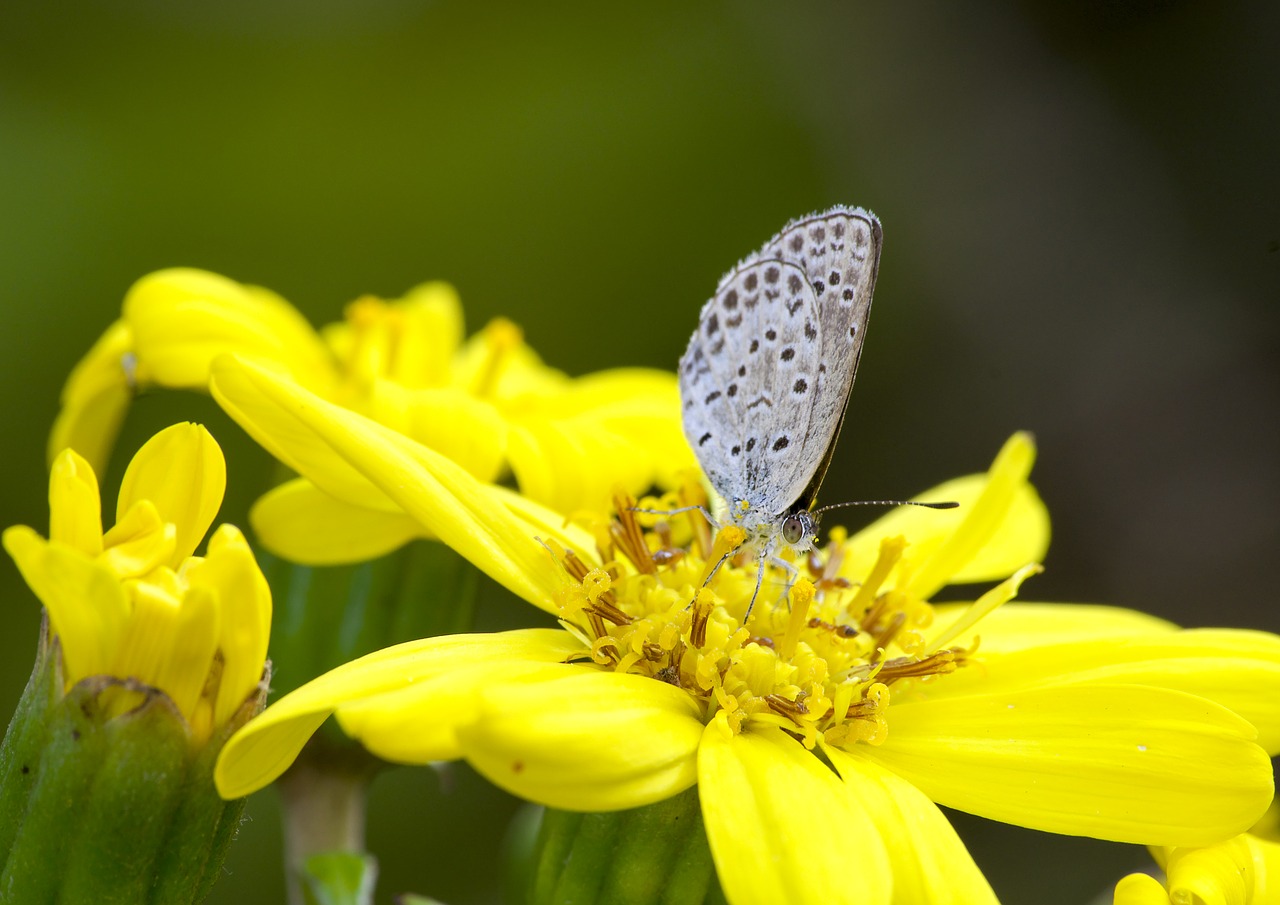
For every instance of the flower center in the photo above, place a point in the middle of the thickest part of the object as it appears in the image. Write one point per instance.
(817, 655)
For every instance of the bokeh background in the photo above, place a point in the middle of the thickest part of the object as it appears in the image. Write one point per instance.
(1080, 204)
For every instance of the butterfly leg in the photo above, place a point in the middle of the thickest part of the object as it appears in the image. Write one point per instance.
(756, 592)
(703, 509)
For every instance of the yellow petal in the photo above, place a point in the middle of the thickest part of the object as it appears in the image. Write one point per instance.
(1236, 668)
(433, 331)
(181, 471)
(1020, 625)
(231, 575)
(589, 741)
(360, 461)
(138, 542)
(96, 398)
(419, 724)
(428, 328)
(75, 507)
(1120, 762)
(620, 392)
(984, 606)
(783, 827)
(467, 430)
(572, 465)
(168, 643)
(982, 523)
(265, 748)
(87, 606)
(496, 364)
(1140, 889)
(305, 525)
(547, 524)
(930, 863)
(182, 319)
(1222, 874)
(1000, 525)
(613, 427)
(1266, 870)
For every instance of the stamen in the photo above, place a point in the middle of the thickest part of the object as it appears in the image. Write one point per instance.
(502, 338)
(374, 325)
(605, 604)
(628, 536)
(987, 604)
(703, 604)
(820, 670)
(890, 553)
(784, 707)
(801, 597)
(692, 495)
(729, 540)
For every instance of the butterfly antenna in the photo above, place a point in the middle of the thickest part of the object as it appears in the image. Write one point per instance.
(947, 505)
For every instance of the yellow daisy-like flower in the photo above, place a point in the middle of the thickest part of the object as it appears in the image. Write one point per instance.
(820, 733)
(1240, 871)
(486, 402)
(133, 602)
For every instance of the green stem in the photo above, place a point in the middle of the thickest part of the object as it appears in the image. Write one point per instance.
(324, 812)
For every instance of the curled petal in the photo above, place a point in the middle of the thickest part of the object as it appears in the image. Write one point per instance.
(588, 741)
(86, 603)
(182, 473)
(1140, 889)
(75, 509)
(304, 524)
(265, 748)
(96, 398)
(231, 574)
(139, 542)
(363, 462)
(182, 319)
(169, 643)
(783, 827)
(1000, 525)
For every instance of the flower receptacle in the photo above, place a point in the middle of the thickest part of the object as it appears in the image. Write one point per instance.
(106, 795)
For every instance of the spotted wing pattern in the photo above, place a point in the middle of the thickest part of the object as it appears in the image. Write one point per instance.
(746, 380)
(766, 375)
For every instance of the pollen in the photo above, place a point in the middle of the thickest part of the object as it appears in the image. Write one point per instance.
(820, 656)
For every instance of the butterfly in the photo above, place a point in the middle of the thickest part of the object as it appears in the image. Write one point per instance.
(765, 380)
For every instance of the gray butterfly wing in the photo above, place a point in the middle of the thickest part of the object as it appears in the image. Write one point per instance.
(748, 382)
(839, 253)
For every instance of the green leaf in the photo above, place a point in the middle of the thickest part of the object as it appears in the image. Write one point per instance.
(339, 878)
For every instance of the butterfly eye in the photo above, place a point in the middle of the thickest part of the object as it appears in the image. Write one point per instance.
(795, 527)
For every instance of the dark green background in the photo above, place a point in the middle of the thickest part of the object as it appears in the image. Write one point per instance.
(1080, 208)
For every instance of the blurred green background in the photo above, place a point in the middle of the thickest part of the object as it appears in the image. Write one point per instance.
(1080, 204)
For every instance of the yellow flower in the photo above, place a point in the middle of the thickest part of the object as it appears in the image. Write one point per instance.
(133, 602)
(821, 733)
(1240, 871)
(486, 402)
